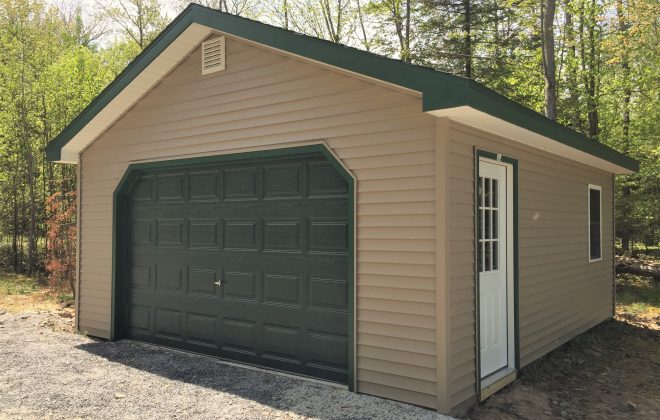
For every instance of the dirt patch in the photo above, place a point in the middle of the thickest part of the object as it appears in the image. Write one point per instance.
(612, 371)
(27, 303)
(19, 293)
(638, 301)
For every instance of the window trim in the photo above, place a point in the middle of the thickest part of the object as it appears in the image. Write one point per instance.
(600, 219)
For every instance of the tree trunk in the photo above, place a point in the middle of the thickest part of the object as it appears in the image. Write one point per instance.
(571, 70)
(398, 27)
(406, 56)
(15, 231)
(32, 223)
(588, 61)
(626, 229)
(637, 267)
(286, 14)
(467, 29)
(548, 50)
(365, 39)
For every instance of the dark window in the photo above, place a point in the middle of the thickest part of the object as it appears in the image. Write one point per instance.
(594, 223)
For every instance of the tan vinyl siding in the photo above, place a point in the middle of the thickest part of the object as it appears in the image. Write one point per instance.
(561, 293)
(266, 100)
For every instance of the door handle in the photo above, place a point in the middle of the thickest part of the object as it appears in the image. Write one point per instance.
(218, 283)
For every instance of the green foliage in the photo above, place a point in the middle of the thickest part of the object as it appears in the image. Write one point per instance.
(54, 61)
(636, 294)
(50, 69)
(12, 284)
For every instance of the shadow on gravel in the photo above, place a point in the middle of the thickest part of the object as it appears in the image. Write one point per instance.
(305, 398)
(262, 387)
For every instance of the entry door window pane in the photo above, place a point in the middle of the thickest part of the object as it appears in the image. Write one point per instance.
(595, 240)
(489, 224)
(494, 194)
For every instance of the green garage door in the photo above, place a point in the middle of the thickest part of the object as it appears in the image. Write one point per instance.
(246, 260)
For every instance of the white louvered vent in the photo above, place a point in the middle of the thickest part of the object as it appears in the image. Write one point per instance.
(213, 55)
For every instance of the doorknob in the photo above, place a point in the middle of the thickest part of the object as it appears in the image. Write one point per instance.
(218, 283)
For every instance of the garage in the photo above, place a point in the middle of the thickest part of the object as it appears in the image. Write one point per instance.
(245, 257)
(298, 205)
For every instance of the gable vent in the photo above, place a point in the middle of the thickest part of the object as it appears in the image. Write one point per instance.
(213, 55)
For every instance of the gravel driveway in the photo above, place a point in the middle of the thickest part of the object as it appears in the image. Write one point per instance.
(47, 373)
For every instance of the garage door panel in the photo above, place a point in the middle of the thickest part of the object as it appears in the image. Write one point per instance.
(240, 183)
(243, 261)
(324, 180)
(141, 232)
(328, 351)
(140, 276)
(281, 343)
(142, 190)
(203, 233)
(170, 232)
(140, 318)
(327, 235)
(283, 181)
(240, 285)
(169, 278)
(282, 289)
(167, 324)
(201, 329)
(240, 234)
(201, 281)
(169, 187)
(327, 293)
(239, 335)
(203, 186)
(284, 234)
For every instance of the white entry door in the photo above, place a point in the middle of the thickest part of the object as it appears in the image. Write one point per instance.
(495, 290)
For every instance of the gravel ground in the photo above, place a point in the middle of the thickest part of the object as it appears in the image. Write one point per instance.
(47, 373)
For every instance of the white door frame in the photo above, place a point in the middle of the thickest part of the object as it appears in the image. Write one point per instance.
(509, 370)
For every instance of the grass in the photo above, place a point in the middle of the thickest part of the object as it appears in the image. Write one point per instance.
(14, 284)
(20, 293)
(639, 249)
(637, 295)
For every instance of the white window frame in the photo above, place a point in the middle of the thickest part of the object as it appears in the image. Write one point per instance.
(600, 224)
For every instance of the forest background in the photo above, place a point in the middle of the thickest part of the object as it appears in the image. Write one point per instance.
(592, 65)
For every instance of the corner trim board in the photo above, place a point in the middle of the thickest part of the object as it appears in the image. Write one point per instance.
(442, 222)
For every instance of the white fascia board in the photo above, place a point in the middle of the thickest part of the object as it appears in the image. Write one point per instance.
(474, 118)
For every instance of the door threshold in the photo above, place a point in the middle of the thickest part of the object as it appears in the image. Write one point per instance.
(496, 381)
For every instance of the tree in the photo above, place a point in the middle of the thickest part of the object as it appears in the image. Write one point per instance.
(590, 34)
(139, 20)
(335, 19)
(393, 21)
(26, 30)
(548, 47)
(62, 231)
(249, 8)
(49, 70)
(602, 54)
(79, 29)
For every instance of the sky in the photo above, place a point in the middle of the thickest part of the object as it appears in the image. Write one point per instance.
(90, 8)
(93, 6)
